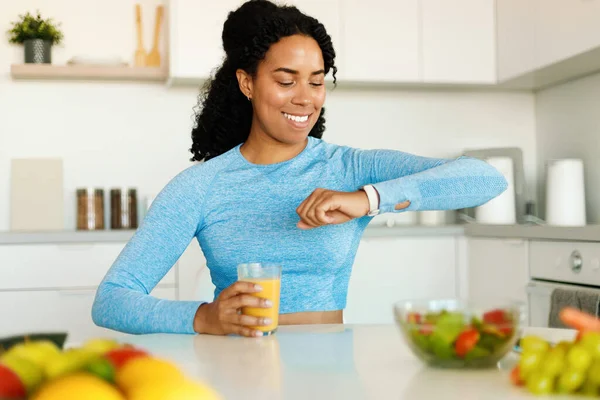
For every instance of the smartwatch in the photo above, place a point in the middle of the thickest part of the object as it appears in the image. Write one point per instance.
(373, 197)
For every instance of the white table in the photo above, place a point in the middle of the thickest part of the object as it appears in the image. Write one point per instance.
(327, 362)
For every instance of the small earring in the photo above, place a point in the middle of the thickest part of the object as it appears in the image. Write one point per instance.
(248, 98)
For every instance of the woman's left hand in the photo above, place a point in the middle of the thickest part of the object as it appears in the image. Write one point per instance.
(326, 207)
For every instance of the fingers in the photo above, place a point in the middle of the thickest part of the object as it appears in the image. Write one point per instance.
(247, 320)
(245, 331)
(246, 300)
(306, 207)
(237, 288)
(315, 210)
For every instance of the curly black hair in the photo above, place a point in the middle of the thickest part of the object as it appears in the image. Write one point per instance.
(225, 114)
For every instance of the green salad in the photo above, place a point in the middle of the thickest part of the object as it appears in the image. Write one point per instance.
(455, 339)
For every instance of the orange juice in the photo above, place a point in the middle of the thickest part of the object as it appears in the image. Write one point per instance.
(270, 290)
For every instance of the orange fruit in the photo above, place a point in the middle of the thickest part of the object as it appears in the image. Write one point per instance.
(142, 370)
(173, 390)
(121, 356)
(78, 386)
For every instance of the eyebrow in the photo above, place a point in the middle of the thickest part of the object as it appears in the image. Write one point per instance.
(294, 72)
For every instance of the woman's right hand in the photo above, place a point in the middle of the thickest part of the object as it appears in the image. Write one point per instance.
(223, 316)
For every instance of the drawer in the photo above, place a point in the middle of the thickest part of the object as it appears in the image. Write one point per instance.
(57, 310)
(55, 266)
(574, 262)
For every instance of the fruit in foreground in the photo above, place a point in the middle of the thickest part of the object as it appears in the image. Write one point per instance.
(102, 368)
(143, 370)
(38, 352)
(72, 360)
(29, 373)
(101, 346)
(173, 390)
(10, 384)
(121, 356)
(78, 386)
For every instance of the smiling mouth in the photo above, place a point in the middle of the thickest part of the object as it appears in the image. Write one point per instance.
(297, 118)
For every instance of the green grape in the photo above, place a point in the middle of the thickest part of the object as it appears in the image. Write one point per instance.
(539, 383)
(563, 345)
(534, 344)
(529, 363)
(589, 389)
(554, 362)
(594, 373)
(579, 358)
(570, 380)
(591, 341)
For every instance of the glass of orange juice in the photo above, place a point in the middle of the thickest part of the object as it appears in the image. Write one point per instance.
(268, 276)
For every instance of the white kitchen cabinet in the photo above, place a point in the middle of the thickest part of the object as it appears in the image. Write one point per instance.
(387, 270)
(498, 268)
(381, 39)
(59, 265)
(194, 281)
(515, 21)
(69, 311)
(195, 44)
(458, 41)
(565, 28)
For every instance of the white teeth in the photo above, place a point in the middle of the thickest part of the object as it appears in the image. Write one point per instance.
(304, 118)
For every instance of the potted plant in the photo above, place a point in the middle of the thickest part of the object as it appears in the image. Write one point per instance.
(37, 36)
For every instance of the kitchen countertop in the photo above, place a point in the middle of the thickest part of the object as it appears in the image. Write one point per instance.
(589, 233)
(347, 362)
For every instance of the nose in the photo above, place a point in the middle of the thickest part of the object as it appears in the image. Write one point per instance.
(302, 96)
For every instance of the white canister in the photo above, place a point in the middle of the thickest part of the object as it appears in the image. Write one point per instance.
(565, 192)
(501, 210)
(432, 217)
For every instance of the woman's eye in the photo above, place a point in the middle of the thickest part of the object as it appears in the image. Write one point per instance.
(317, 84)
(286, 83)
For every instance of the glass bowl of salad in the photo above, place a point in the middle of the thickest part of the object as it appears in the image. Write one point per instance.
(455, 333)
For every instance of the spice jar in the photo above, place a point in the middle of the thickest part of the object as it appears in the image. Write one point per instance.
(90, 209)
(123, 208)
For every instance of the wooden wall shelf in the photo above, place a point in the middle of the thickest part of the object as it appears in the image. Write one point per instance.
(84, 72)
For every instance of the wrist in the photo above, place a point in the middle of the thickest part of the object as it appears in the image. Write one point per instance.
(201, 319)
(373, 200)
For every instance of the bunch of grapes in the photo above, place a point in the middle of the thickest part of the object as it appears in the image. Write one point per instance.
(566, 367)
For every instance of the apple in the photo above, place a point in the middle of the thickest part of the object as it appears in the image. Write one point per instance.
(11, 386)
(102, 368)
(38, 352)
(101, 346)
(30, 374)
(69, 361)
(119, 357)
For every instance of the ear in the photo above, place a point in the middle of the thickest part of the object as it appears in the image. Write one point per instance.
(245, 82)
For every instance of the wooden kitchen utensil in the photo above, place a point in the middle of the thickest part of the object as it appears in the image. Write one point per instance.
(154, 56)
(140, 53)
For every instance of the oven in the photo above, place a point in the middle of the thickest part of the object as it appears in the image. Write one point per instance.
(559, 264)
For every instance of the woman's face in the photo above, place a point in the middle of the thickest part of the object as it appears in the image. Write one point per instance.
(288, 90)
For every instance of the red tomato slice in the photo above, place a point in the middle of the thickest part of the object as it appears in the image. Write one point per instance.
(466, 341)
(494, 317)
(414, 318)
(426, 329)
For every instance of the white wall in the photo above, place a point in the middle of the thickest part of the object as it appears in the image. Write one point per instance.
(117, 134)
(568, 125)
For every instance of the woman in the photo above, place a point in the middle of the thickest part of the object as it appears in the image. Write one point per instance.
(271, 191)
